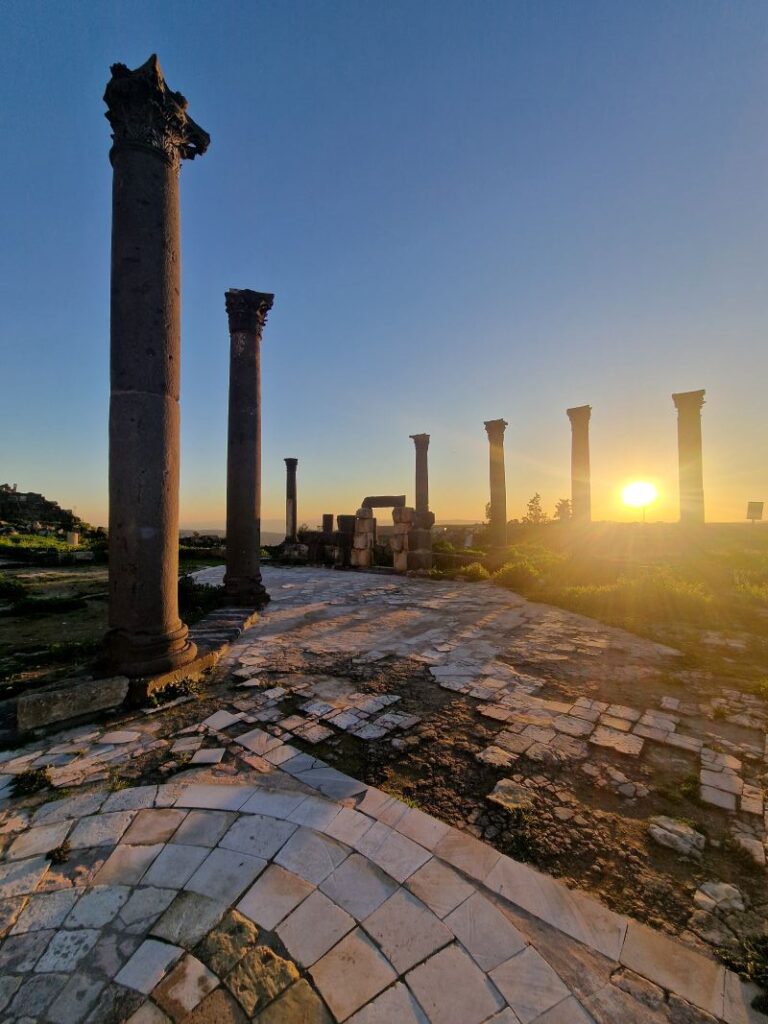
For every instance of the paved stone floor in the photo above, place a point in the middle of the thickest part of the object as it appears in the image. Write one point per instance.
(261, 884)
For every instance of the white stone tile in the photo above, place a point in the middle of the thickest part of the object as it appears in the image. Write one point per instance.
(313, 928)
(348, 826)
(529, 984)
(20, 877)
(451, 988)
(311, 855)
(258, 741)
(148, 965)
(120, 737)
(273, 804)
(257, 835)
(39, 840)
(188, 918)
(175, 865)
(485, 932)
(222, 719)
(421, 828)
(392, 852)
(215, 798)
(203, 828)
(66, 949)
(98, 906)
(224, 874)
(130, 799)
(570, 1011)
(72, 807)
(358, 886)
(440, 887)
(351, 974)
(406, 930)
(273, 896)
(395, 1006)
(126, 865)
(468, 854)
(45, 910)
(153, 825)
(145, 905)
(315, 812)
(101, 829)
(213, 755)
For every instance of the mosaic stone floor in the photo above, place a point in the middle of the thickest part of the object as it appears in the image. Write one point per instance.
(281, 891)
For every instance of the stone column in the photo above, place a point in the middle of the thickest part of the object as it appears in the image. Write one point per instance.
(581, 493)
(495, 430)
(688, 404)
(422, 472)
(152, 133)
(247, 312)
(291, 511)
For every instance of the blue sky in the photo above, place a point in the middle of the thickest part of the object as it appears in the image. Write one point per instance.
(466, 211)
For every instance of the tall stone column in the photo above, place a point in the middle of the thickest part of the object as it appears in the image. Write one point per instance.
(688, 405)
(291, 509)
(247, 312)
(581, 486)
(152, 133)
(421, 442)
(495, 430)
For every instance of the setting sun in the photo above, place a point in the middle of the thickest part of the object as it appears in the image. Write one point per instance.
(639, 494)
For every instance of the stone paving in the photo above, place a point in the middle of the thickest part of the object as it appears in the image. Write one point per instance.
(271, 887)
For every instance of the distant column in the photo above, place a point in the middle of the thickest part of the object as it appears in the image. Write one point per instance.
(688, 405)
(327, 522)
(495, 430)
(247, 313)
(422, 472)
(581, 488)
(152, 133)
(291, 511)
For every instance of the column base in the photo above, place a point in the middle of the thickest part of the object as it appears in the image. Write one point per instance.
(248, 592)
(144, 654)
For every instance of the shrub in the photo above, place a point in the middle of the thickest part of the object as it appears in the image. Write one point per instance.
(655, 594)
(473, 573)
(519, 574)
(443, 546)
(197, 599)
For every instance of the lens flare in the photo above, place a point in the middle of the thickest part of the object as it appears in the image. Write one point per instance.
(639, 494)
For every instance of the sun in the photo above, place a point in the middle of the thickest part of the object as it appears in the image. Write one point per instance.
(639, 493)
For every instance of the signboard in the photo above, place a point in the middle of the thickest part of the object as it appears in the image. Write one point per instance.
(754, 510)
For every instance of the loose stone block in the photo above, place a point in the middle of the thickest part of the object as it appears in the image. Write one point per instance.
(73, 698)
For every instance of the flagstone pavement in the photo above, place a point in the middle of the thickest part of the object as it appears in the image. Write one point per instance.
(290, 893)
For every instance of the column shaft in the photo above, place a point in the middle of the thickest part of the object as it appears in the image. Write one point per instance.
(581, 486)
(421, 442)
(291, 509)
(247, 311)
(151, 133)
(688, 404)
(498, 521)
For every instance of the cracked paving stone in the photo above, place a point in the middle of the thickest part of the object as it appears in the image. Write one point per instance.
(66, 949)
(224, 946)
(217, 1008)
(76, 999)
(189, 918)
(299, 1004)
(98, 906)
(36, 994)
(259, 977)
(45, 910)
(184, 988)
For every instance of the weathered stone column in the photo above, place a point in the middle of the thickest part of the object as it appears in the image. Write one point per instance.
(495, 430)
(581, 486)
(688, 404)
(422, 472)
(247, 312)
(291, 510)
(152, 133)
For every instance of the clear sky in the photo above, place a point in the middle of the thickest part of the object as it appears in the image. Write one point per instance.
(467, 210)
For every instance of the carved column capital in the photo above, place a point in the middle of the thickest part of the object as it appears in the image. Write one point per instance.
(495, 429)
(420, 440)
(579, 415)
(689, 401)
(247, 310)
(145, 113)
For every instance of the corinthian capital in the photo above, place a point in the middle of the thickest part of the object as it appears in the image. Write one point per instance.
(247, 310)
(495, 429)
(144, 112)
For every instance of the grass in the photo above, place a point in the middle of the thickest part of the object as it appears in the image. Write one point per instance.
(33, 780)
(35, 542)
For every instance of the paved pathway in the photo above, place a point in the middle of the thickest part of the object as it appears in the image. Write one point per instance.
(270, 887)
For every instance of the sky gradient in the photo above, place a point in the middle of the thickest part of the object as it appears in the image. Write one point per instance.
(466, 211)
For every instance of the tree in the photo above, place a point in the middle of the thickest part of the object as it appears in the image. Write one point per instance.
(487, 511)
(563, 510)
(535, 514)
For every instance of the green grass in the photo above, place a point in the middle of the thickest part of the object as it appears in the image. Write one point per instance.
(35, 542)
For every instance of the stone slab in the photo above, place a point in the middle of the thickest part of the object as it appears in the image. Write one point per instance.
(71, 699)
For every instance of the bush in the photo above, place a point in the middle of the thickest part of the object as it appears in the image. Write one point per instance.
(655, 594)
(473, 573)
(197, 599)
(443, 546)
(519, 575)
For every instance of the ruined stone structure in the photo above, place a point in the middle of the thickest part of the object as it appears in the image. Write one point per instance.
(498, 519)
(152, 133)
(688, 405)
(399, 542)
(247, 313)
(364, 539)
(291, 508)
(384, 501)
(28, 509)
(581, 486)
(327, 523)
